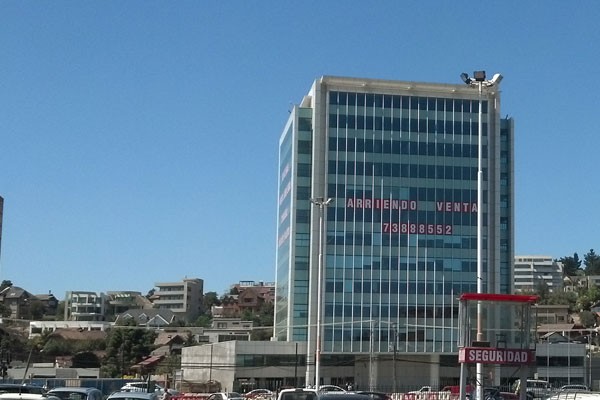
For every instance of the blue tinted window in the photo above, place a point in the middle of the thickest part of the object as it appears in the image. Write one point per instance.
(333, 97)
(387, 101)
(351, 99)
(360, 99)
(405, 102)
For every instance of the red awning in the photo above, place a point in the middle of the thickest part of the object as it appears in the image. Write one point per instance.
(148, 362)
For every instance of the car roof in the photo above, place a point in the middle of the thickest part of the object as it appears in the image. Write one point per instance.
(20, 388)
(133, 395)
(26, 396)
(77, 389)
(343, 395)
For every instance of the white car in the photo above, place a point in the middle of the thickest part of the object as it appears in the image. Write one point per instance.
(574, 388)
(143, 387)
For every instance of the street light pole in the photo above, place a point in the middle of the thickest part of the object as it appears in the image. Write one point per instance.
(480, 81)
(321, 203)
(395, 348)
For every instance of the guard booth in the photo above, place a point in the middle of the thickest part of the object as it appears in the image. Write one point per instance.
(496, 331)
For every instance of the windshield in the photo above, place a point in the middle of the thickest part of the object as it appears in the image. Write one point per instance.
(67, 395)
(298, 396)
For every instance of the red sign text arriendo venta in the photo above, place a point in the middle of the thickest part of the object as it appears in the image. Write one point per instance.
(488, 355)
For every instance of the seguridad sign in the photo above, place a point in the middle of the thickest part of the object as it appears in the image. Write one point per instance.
(488, 355)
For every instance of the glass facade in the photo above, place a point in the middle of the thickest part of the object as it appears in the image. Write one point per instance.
(400, 161)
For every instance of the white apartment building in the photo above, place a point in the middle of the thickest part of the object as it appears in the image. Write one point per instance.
(84, 306)
(531, 271)
(183, 298)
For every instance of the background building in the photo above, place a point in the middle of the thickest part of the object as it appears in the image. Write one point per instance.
(120, 301)
(84, 306)
(399, 161)
(533, 271)
(183, 298)
(1, 213)
(17, 300)
(245, 296)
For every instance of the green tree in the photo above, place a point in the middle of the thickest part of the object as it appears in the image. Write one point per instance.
(588, 298)
(587, 319)
(125, 347)
(543, 291)
(263, 322)
(36, 309)
(203, 321)
(5, 283)
(261, 333)
(571, 265)
(210, 299)
(4, 311)
(591, 260)
(59, 347)
(190, 340)
(560, 297)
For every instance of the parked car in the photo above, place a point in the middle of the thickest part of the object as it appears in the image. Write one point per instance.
(24, 388)
(226, 396)
(574, 388)
(313, 394)
(375, 395)
(535, 388)
(423, 389)
(142, 386)
(76, 393)
(259, 393)
(489, 393)
(25, 396)
(132, 395)
(331, 388)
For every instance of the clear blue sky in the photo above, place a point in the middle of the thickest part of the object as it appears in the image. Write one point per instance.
(138, 139)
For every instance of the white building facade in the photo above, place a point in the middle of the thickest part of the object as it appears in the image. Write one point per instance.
(532, 271)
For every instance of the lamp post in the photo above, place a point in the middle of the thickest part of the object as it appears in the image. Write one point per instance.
(590, 347)
(321, 203)
(395, 349)
(478, 80)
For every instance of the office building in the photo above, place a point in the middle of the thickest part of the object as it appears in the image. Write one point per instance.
(399, 161)
(1, 214)
(531, 272)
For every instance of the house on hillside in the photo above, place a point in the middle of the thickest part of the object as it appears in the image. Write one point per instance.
(49, 303)
(245, 296)
(168, 343)
(155, 318)
(17, 300)
(77, 335)
(119, 302)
